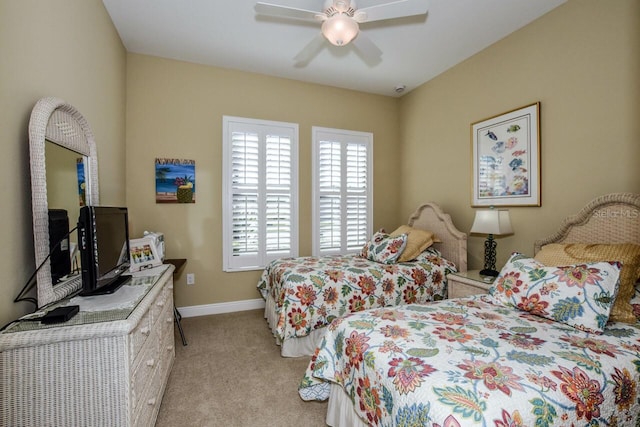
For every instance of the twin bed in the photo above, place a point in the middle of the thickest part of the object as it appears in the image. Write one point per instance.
(537, 351)
(304, 295)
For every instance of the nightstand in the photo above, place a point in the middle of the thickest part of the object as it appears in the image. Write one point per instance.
(468, 283)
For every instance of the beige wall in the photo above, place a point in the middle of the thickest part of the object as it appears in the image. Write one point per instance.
(175, 109)
(68, 49)
(582, 62)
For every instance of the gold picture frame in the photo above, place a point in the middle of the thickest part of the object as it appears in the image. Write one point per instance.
(506, 158)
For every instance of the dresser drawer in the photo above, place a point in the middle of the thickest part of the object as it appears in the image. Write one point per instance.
(139, 336)
(149, 403)
(167, 342)
(161, 302)
(165, 323)
(145, 367)
(148, 385)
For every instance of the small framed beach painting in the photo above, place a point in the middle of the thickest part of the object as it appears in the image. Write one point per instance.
(175, 181)
(506, 158)
(82, 184)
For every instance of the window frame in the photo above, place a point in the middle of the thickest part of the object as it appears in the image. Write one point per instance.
(343, 137)
(263, 257)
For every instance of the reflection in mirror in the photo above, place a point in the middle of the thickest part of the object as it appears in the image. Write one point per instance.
(65, 194)
(68, 137)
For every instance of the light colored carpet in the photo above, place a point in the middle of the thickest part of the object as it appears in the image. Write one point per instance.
(231, 374)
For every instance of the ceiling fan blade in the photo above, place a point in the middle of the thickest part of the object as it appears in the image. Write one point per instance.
(367, 49)
(392, 10)
(310, 50)
(288, 12)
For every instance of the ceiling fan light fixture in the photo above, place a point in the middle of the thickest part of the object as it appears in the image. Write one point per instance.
(340, 29)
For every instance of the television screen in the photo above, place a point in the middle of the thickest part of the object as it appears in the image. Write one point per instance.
(103, 236)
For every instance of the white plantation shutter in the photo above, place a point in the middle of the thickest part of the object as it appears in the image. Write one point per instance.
(342, 190)
(244, 182)
(357, 206)
(330, 226)
(278, 196)
(260, 192)
(329, 177)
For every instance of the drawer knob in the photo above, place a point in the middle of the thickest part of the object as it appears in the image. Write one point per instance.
(169, 319)
(151, 401)
(151, 362)
(160, 303)
(169, 347)
(145, 330)
(170, 287)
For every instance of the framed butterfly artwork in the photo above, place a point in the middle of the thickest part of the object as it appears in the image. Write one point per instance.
(506, 158)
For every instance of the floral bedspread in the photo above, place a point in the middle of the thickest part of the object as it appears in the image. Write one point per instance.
(310, 292)
(468, 362)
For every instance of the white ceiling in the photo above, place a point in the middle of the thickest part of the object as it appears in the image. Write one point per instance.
(229, 34)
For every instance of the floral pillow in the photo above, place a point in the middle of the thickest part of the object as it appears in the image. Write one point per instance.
(579, 295)
(576, 253)
(384, 248)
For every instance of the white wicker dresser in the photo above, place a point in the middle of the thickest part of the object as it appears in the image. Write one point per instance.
(103, 368)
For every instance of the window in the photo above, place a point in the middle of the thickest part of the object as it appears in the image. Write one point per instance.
(342, 190)
(260, 192)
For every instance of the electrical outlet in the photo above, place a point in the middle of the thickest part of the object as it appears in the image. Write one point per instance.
(191, 278)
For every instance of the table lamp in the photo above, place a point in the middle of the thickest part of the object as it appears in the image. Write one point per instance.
(493, 222)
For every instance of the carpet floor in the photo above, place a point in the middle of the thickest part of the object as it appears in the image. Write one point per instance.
(231, 374)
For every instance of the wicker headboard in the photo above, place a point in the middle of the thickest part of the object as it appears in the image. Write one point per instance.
(453, 245)
(613, 218)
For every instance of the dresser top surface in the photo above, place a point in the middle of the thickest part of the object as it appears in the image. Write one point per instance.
(95, 309)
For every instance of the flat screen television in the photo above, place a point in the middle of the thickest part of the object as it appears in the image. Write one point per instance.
(103, 238)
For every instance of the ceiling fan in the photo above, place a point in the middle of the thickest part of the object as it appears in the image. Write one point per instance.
(341, 21)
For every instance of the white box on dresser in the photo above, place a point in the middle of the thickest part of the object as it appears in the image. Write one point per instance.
(100, 369)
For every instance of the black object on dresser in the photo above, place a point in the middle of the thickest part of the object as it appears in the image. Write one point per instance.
(59, 244)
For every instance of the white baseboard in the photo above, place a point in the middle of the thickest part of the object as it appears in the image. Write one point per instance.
(223, 307)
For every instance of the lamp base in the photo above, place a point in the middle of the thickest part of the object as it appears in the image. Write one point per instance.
(488, 272)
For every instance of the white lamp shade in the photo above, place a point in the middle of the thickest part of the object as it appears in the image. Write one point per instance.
(340, 29)
(492, 221)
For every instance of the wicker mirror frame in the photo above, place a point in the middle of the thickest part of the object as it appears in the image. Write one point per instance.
(54, 120)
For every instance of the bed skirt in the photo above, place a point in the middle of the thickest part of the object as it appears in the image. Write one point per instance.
(291, 347)
(340, 412)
